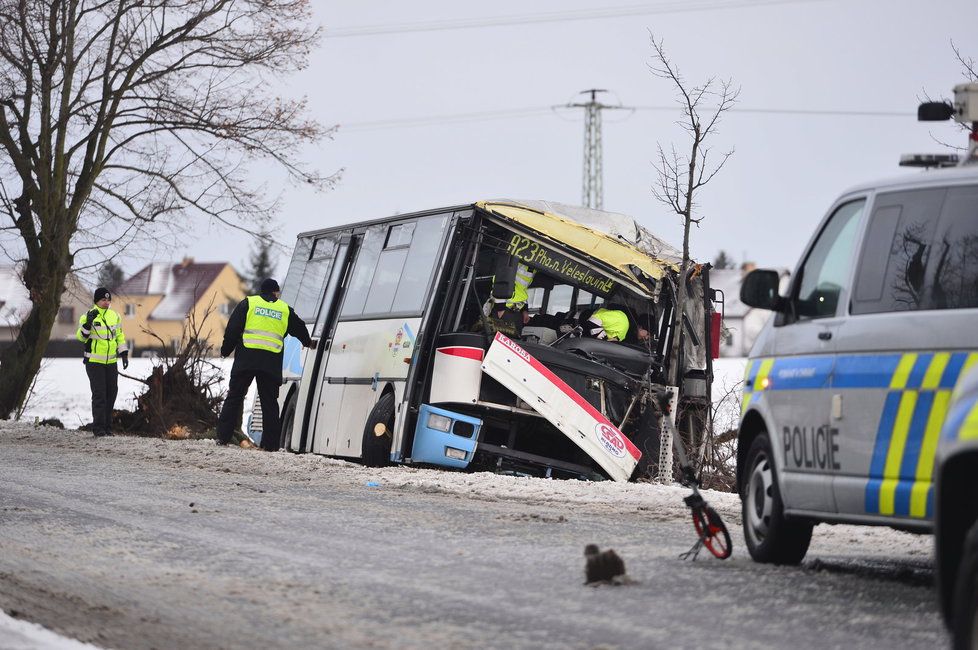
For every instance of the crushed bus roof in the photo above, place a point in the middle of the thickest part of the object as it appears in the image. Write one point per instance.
(555, 221)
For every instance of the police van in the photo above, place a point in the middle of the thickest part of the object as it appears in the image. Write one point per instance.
(848, 385)
(410, 367)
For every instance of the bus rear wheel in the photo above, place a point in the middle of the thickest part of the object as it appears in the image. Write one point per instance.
(288, 421)
(379, 432)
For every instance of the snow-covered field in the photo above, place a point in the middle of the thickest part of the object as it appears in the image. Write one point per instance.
(61, 390)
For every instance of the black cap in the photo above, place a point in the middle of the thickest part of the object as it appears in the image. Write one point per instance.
(102, 292)
(269, 285)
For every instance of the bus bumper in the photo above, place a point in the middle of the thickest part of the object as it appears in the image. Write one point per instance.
(445, 438)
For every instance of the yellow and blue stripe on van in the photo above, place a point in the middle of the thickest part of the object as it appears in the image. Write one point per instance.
(916, 405)
(919, 386)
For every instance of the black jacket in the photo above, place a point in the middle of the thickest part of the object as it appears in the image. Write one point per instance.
(249, 358)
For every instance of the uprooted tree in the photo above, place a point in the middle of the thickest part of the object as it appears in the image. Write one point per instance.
(119, 118)
(681, 176)
(183, 390)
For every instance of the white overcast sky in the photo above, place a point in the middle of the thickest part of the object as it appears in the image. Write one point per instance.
(403, 81)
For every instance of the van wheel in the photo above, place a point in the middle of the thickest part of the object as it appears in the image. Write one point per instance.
(770, 536)
(377, 448)
(964, 626)
(288, 421)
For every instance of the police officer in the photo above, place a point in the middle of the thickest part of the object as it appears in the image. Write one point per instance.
(100, 329)
(256, 333)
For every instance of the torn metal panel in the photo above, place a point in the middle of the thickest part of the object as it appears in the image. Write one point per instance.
(544, 392)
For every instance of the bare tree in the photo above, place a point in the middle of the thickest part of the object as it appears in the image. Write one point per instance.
(967, 63)
(120, 118)
(679, 177)
(970, 70)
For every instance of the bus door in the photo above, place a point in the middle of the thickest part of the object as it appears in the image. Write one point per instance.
(311, 386)
(377, 327)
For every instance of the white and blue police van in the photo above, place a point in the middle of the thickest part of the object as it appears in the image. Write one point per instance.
(848, 387)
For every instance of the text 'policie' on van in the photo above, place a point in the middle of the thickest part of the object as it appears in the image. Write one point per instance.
(411, 368)
(848, 389)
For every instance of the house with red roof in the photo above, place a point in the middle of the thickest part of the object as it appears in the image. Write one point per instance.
(158, 303)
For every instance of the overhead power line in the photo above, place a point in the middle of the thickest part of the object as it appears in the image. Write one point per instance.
(452, 118)
(538, 111)
(685, 6)
(800, 111)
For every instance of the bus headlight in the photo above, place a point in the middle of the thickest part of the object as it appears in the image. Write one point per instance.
(457, 454)
(439, 422)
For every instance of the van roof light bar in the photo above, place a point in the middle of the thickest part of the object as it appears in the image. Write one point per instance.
(928, 160)
(964, 109)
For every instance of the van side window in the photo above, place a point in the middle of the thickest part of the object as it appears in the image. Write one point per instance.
(898, 250)
(825, 273)
(956, 252)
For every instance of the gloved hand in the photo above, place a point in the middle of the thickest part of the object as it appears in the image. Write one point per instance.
(125, 360)
(90, 316)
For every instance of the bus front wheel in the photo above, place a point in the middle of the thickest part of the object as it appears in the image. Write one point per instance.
(379, 432)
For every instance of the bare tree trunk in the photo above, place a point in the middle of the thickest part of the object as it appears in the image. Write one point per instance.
(119, 116)
(679, 179)
(44, 277)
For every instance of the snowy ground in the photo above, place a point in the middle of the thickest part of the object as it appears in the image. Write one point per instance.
(61, 391)
(138, 543)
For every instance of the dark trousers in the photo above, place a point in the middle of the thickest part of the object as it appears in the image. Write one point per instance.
(268, 386)
(104, 381)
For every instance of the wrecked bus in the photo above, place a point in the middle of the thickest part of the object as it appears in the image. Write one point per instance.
(410, 368)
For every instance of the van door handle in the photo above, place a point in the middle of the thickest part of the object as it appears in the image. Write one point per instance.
(825, 336)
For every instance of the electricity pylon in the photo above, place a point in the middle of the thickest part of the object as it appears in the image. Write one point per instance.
(593, 195)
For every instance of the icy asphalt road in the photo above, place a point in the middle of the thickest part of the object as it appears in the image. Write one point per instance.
(134, 543)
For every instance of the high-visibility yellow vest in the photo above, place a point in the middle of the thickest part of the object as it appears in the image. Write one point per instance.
(266, 324)
(104, 337)
(614, 322)
(521, 295)
(524, 276)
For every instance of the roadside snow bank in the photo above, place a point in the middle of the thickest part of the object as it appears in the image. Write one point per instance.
(23, 635)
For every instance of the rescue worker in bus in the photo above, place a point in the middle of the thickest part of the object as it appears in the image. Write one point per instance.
(508, 311)
(256, 333)
(611, 325)
(100, 329)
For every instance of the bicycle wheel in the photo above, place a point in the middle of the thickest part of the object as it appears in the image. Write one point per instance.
(712, 531)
